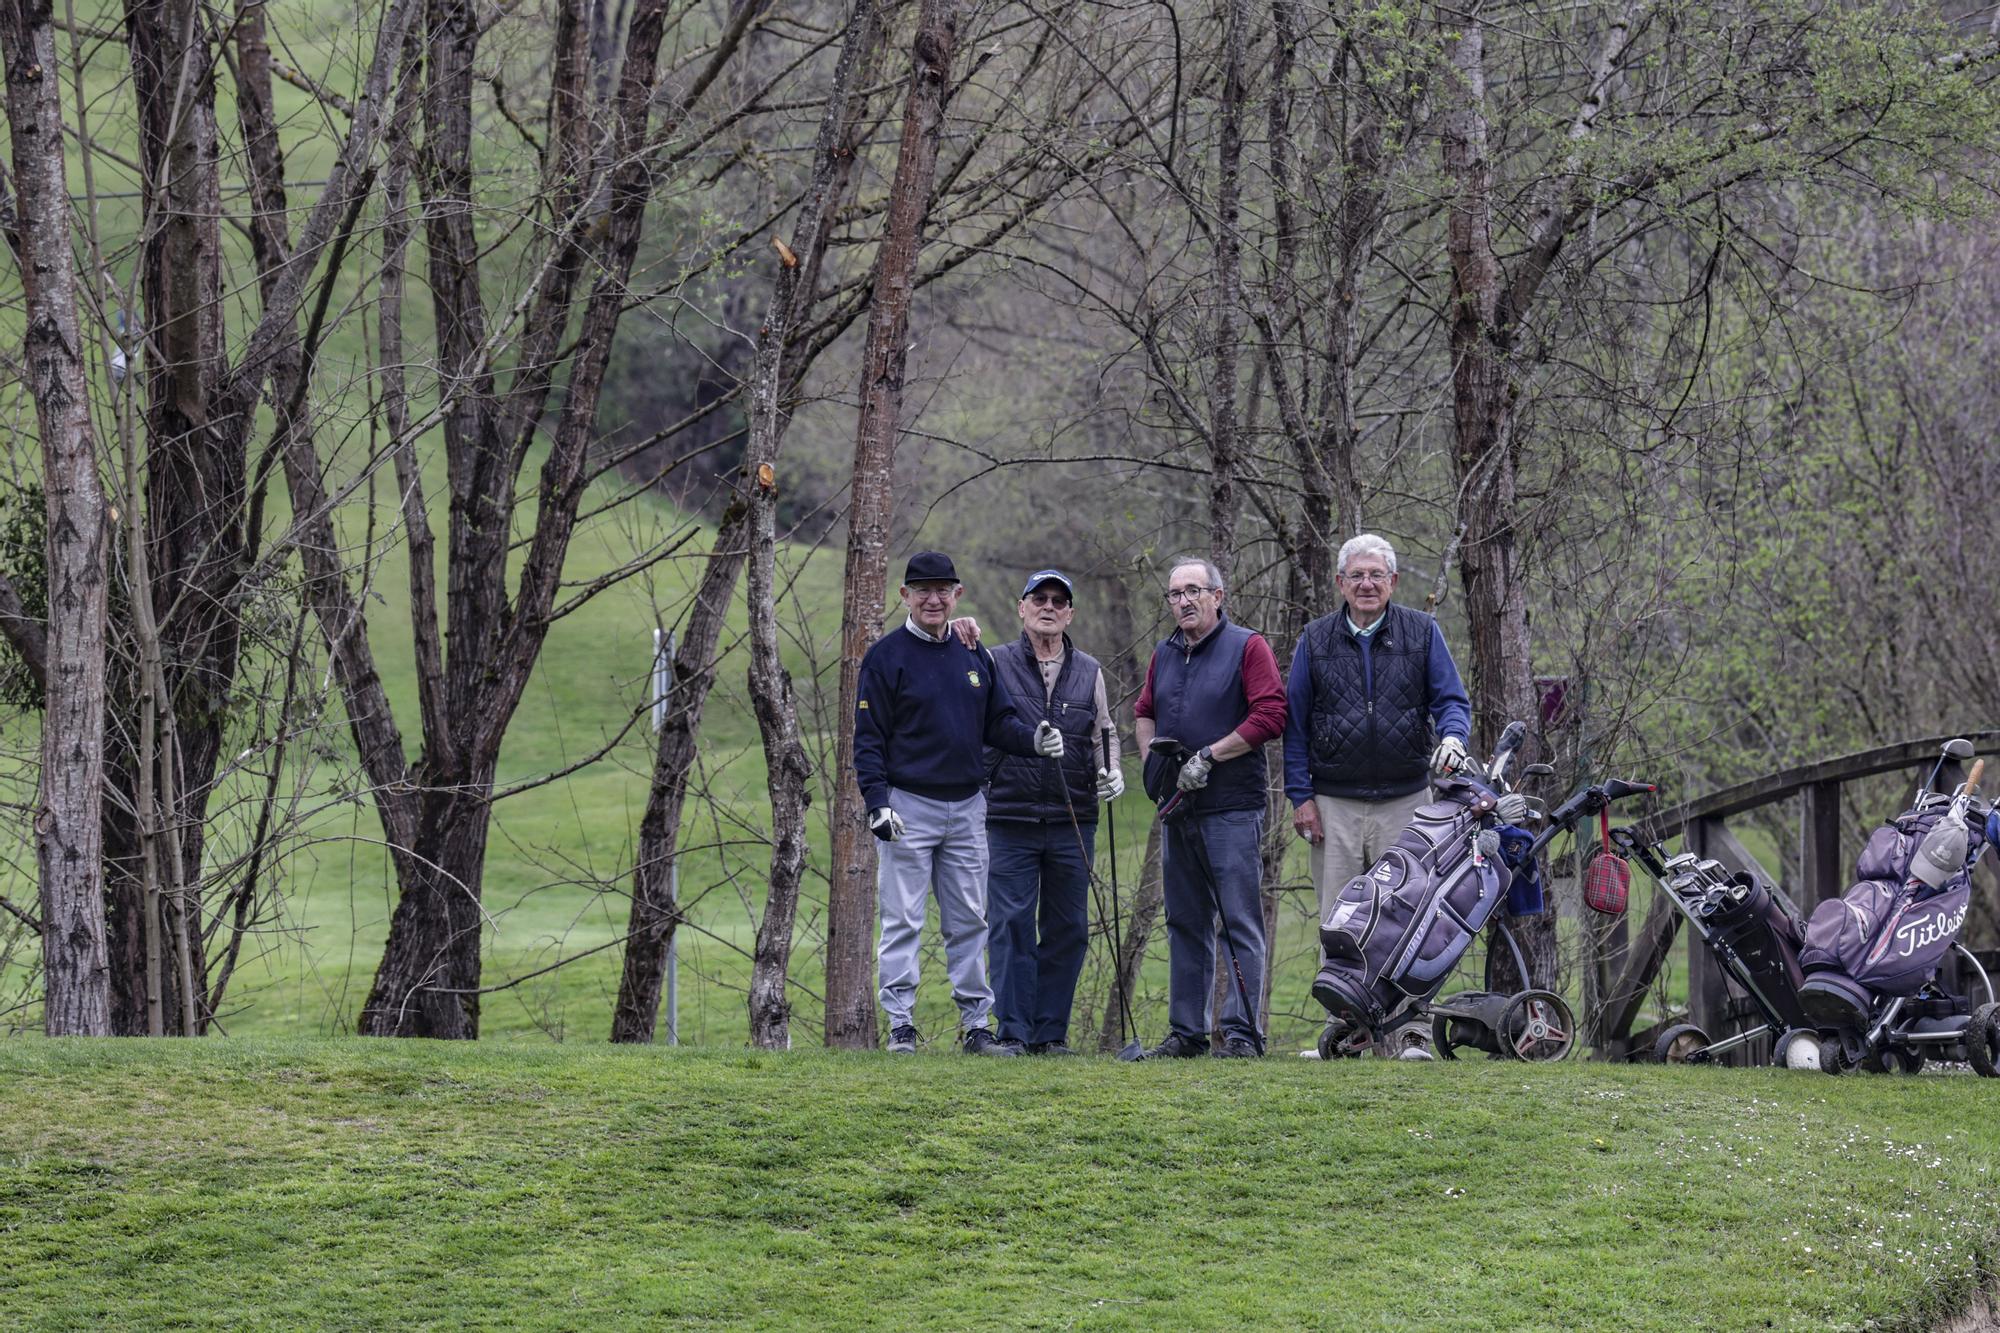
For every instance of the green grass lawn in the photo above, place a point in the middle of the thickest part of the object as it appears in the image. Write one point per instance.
(351, 1184)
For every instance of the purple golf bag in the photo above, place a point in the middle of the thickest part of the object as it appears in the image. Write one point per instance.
(1887, 935)
(1396, 932)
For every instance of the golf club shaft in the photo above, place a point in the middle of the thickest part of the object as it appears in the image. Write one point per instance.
(1117, 913)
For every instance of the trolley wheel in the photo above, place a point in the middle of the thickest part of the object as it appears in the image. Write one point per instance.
(1797, 1048)
(1441, 1039)
(1833, 1056)
(1336, 1042)
(1680, 1044)
(1982, 1040)
(1536, 1025)
(1893, 1060)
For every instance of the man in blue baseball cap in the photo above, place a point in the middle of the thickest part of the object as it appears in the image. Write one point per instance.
(927, 704)
(1041, 821)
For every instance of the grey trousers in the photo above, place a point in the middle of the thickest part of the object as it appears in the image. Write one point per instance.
(943, 847)
(1356, 835)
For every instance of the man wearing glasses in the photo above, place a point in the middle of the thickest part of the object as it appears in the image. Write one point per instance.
(1041, 822)
(1376, 708)
(926, 704)
(1214, 686)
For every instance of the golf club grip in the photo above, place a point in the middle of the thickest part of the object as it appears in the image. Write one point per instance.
(1104, 738)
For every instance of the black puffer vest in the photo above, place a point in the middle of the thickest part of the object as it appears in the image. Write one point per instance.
(1198, 699)
(1033, 789)
(1369, 731)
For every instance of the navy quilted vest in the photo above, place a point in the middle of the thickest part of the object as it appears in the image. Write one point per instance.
(1023, 788)
(1369, 732)
(1198, 699)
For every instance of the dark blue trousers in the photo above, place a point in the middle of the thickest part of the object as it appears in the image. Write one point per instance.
(1037, 876)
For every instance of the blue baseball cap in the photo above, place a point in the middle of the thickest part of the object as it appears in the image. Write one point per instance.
(1041, 576)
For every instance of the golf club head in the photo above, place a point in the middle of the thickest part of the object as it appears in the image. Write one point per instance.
(1132, 1051)
(1958, 748)
(1538, 771)
(1168, 746)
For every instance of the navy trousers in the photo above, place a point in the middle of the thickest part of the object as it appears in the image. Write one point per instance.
(1037, 923)
(1209, 861)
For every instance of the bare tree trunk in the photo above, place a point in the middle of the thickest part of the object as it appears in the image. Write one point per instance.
(654, 913)
(1502, 686)
(1226, 294)
(68, 832)
(850, 964)
(1138, 934)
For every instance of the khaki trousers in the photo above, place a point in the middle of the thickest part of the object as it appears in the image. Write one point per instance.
(1356, 833)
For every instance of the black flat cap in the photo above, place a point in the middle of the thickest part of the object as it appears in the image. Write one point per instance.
(930, 567)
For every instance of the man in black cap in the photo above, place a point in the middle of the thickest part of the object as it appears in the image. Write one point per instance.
(926, 704)
(1041, 822)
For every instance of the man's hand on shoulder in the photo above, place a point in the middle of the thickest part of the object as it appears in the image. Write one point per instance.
(967, 630)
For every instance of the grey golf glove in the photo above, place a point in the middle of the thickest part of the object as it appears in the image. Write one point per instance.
(1110, 784)
(1449, 757)
(1194, 773)
(885, 823)
(1512, 808)
(1048, 741)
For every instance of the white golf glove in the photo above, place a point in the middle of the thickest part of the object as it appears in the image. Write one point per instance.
(1512, 808)
(1110, 784)
(1194, 773)
(1449, 757)
(885, 823)
(1048, 741)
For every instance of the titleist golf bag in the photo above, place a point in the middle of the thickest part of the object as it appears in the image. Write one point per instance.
(1887, 935)
(1396, 932)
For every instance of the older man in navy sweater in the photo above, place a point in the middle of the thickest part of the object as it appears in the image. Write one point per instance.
(925, 705)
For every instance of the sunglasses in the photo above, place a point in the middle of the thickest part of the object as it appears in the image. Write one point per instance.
(1054, 599)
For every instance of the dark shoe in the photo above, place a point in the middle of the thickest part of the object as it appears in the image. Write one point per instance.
(981, 1041)
(1239, 1048)
(903, 1040)
(1049, 1048)
(1014, 1047)
(1177, 1047)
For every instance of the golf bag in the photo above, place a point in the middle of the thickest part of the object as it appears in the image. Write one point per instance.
(1886, 935)
(1753, 928)
(1395, 932)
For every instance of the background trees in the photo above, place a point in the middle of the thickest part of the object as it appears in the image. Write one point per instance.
(1650, 337)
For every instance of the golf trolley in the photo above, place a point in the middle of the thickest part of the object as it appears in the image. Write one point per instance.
(1393, 936)
(1857, 986)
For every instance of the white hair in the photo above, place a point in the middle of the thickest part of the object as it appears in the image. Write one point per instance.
(1366, 544)
(1208, 569)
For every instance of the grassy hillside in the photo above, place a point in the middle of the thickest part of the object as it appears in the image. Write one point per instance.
(273, 1184)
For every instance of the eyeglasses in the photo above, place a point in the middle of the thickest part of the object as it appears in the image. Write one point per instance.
(1055, 599)
(1176, 596)
(1367, 579)
(931, 594)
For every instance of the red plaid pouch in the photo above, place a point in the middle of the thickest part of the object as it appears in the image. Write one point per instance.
(1607, 880)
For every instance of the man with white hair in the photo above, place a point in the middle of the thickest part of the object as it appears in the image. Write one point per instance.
(1376, 708)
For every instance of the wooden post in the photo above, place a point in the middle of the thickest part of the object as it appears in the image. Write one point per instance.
(1819, 843)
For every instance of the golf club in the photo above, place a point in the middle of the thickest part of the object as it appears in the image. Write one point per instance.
(1956, 748)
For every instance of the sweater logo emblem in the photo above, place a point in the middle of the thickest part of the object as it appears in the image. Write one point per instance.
(973, 676)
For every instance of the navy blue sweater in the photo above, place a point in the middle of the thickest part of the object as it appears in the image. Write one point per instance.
(921, 713)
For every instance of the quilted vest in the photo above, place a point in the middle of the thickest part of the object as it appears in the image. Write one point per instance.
(1033, 789)
(1369, 731)
(1198, 699)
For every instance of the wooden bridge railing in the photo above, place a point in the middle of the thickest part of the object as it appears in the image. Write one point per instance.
(1715, 1005)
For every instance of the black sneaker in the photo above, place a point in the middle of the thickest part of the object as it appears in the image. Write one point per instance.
(902, 1040)
(981, 1041)
(1177, 1047)
(1049, 1048)
(1239, 1048)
